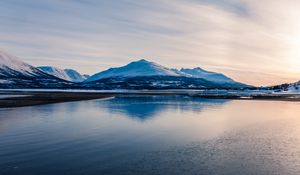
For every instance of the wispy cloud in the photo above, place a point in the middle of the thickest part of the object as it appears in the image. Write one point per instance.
(232, 36)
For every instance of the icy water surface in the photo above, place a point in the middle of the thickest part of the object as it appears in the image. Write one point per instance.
(151, 135)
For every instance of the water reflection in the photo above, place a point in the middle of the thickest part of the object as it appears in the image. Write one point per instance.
(143, 108)
(151, 135)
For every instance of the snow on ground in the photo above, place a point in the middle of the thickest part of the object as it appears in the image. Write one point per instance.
(5, 81)
(289, 90)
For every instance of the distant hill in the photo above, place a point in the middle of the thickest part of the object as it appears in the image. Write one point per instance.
(15, 73)
(65, 74)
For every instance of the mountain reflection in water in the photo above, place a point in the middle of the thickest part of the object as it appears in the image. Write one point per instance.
(145, 107)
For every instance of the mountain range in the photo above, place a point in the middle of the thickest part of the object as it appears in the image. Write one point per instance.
(141, 74)
(147, 68)
(15, 73)
(134, 69)
(65, 74)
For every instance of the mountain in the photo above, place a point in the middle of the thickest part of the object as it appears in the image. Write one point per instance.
(144, 74)
(65, 74)
(15, 73)
(211, 76)
(134, 69)
(11, 66)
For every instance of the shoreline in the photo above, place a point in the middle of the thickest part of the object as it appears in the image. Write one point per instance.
(33, 99)
(13, 99)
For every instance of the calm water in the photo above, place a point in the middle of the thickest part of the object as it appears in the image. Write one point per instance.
(151, 135)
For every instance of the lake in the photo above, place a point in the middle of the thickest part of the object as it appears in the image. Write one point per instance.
(151, 135)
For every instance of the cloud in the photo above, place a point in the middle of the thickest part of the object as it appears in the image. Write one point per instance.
(235, 37)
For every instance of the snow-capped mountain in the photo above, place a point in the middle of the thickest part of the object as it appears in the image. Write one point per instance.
(15, 73)
(65, 74)
(135, 69)
(145, 74)
(211, 76)
(147, 68)
(74, 76)
(11, 66)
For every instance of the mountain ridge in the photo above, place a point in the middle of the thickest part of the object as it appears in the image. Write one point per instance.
(141, 74)
(65, 74)
(15, 73)
(141, 67)
(146, 68)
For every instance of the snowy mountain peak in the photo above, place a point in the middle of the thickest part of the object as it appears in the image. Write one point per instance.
(146, 63)
(200, 69)
(143, 61)
(12, 66)
(134, 69)
(65, 74)
(140, 62)
(12, 62)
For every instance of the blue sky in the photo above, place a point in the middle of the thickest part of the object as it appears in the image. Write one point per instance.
(252, 41)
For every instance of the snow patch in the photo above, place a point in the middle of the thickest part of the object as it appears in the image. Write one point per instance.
(5, 81)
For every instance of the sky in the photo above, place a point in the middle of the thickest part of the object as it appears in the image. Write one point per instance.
(253, 41)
